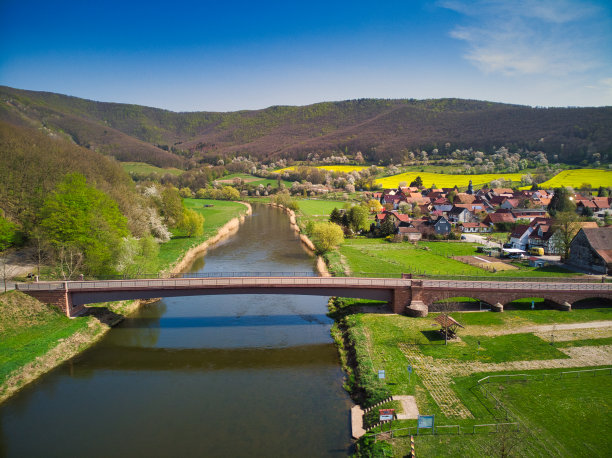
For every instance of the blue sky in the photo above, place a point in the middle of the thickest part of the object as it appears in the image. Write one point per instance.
(225, 56)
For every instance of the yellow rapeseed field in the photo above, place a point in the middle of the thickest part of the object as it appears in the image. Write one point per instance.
(445, 181)
(576, 178)
(332, 168)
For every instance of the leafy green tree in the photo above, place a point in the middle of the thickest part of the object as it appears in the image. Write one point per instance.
(565, 226)
(387, 227)
(8, 234)
(171, 206)
(185, 192)
(417, 182)
(192, 223)
(230, 193)
(78, 218)
(138, 256)
(602, 192)
(335, 216)
(561, 202)
(358, 217)
(327, 236)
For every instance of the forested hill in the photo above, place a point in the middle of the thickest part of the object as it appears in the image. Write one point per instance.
(381, 129)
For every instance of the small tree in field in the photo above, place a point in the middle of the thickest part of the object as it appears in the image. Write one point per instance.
(192, 223)
(327, 236)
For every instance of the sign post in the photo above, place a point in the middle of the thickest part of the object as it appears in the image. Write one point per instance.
(381, 374)
(425, 422)
(409, 372)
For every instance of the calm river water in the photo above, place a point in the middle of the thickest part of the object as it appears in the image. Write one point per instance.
(199, 376)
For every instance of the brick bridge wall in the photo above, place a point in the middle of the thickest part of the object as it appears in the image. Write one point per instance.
(60, 299)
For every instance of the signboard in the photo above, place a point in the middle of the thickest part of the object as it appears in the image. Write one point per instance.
(381, 374)
(410, 369)
(425, 421)
(386, 414)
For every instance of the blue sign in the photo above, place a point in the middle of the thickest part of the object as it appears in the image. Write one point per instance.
(425, 421)
(410, 369)
(381, 374)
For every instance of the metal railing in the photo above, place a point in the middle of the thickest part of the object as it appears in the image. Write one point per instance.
(165, 283)
(454, 429)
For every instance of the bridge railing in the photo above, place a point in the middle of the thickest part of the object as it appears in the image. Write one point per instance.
(574, 279)
(535, 286)
(215, 281)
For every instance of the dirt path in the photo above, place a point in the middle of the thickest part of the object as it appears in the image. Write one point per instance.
(538, 328)
(409, 407)
(437, 374)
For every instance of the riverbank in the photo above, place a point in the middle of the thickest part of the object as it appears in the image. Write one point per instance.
(37, 338)
(320, 265)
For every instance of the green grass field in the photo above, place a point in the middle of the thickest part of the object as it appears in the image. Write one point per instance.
(29, 329)
(363, 255)
(214, 217)
(144, 168)
(253, 180)
(546, 407)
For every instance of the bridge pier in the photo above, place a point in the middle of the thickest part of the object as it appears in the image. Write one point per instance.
(61, 299)
(417, 309)
(566, 307)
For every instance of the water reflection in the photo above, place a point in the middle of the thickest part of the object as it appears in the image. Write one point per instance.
(235, 375)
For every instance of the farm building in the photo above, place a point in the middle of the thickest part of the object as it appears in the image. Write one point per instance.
(591, 250)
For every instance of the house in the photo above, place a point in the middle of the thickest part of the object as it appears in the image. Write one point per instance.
(430, 226)
(499, 218)
(460, 215)
(520, 236)
(554, 243)
(529, 213)
(410, 233)
(591, 250)
(509, 204)
(475, 227)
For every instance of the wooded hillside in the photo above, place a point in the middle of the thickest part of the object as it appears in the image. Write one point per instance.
(381, 129)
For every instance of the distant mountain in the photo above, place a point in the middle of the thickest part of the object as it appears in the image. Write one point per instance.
(381, 129)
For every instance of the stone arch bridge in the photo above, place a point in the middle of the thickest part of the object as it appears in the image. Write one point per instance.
(410, 296)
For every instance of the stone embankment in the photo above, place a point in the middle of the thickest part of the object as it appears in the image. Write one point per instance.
(320, 265)
(228, 229)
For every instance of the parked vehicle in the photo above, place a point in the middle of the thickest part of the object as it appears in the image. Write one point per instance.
(536, 251)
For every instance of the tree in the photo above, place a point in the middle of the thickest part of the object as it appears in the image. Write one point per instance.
(374, 205)
(8, 234)
(565, 226)
(335, 216)
(138, 256)
(561, 202)
(417, 182)
(387, 227)
(326, 236)
(358, 218)
(185, 192)
(192, 223)
(171, 206)
(230, 193)
(78, 218)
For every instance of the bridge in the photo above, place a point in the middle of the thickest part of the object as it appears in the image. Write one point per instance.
(406, 295)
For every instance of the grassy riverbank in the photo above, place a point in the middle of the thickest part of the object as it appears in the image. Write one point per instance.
(216, 215)
(36, 337)
(444, 377)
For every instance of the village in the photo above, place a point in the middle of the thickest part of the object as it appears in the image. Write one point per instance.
(512, 223)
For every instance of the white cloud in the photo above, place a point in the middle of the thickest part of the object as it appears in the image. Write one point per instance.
(523, 37)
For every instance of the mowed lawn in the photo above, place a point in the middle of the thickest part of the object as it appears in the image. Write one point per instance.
(317, 210)
(377, 256)
(558, 414)
(217, 215)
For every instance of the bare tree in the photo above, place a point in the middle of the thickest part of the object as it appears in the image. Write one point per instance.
(7, 271)
(506, 442)
(70, 260)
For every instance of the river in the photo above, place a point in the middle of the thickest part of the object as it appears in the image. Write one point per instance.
(233, 375)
